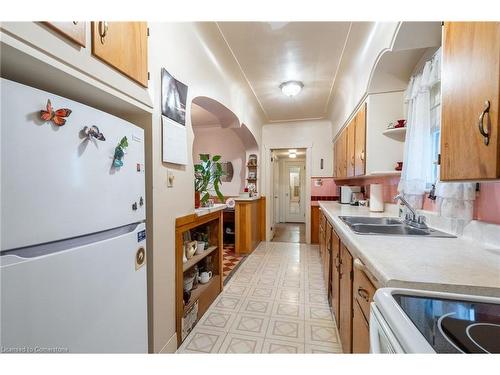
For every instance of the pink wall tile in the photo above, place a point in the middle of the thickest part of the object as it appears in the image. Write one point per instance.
(328, 187)
(488, 202)
(486, 207)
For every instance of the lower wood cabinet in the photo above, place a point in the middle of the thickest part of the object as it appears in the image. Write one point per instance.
(363, 291)
(327, 257)
(346, 278)
(360, 331)
(350, 290)
(315, 224)
(335, 277)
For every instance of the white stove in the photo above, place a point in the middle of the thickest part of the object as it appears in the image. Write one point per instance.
(419, 321)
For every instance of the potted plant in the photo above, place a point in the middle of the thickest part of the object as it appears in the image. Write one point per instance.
(207, 179)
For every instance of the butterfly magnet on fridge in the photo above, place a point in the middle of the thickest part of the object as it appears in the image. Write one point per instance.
(57, 117)
(120, 153)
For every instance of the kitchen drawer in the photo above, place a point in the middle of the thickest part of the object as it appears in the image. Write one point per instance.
(363, 289)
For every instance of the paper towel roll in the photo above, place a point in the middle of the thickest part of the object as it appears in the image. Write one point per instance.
(376, 198)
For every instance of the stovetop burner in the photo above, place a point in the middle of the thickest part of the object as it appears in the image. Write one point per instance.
(453, 326)
(470, 337)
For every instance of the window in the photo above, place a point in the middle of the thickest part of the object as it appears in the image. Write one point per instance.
(435, 94)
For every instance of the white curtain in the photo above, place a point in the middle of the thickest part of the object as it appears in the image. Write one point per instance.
(455, 200)
(418, 145)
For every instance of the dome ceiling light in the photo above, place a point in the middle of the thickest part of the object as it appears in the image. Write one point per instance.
(291, 88)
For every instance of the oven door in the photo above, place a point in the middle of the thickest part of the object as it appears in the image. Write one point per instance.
(382, 340)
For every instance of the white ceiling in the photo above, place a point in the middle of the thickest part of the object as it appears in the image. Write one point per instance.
(270, 53)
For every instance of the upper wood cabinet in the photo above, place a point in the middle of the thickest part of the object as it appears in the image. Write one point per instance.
(359, 142)
(351, 144)
(74, 31)
(366, 137)
(470, 85)
(349, 149)
(124, 46)
(340, 161)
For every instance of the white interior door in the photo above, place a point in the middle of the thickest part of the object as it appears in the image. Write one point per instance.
(276, 190)
(294, 187)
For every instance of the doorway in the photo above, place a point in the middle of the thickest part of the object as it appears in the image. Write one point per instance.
(289, 196)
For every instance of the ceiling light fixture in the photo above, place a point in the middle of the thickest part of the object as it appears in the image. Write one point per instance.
(292, 154)
(291, 88)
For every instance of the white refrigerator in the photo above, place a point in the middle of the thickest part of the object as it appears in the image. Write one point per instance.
(73, 235)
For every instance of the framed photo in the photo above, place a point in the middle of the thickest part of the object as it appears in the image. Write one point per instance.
(173, 98)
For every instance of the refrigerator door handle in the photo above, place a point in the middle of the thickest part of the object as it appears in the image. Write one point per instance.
(8, 257)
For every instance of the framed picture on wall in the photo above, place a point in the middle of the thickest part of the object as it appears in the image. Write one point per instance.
(173, 110)
(173, 98)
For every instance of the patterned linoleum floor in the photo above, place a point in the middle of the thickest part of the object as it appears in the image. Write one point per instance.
(229, 261)
(289, 232)
(275, 303)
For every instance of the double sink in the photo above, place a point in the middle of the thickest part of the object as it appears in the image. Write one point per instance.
(388, 226)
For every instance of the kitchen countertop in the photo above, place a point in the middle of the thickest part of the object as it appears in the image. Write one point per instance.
(206, 210)
(459, 265)
(247, 198)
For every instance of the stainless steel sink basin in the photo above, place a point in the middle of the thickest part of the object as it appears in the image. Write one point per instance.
(370, 220)
(388, 226)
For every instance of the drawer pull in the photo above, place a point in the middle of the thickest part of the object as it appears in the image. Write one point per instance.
(103, 30)
(485, 132)
(363, 293)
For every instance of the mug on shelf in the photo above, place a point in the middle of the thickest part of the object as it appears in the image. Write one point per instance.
(205, 277)
(200, 247)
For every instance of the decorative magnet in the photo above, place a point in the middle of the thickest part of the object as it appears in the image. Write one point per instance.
(93, 132)
(120, 152)
(57, 117)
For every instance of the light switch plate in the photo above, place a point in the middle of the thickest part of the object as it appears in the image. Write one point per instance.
(170, 178)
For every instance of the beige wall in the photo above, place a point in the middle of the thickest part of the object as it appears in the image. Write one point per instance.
(316, 133)
(196, 54)
(366, 43)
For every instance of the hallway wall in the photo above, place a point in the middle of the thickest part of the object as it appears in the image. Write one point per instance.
(203, 62)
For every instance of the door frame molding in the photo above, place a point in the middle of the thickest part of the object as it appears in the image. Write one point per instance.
(267, 180)
(283, 181)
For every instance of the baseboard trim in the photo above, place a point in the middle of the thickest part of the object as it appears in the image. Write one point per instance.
(171, 345)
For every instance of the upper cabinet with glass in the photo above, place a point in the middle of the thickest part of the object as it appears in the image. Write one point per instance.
(470, 143)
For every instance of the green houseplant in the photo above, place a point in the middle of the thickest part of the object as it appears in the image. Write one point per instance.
(207, 179)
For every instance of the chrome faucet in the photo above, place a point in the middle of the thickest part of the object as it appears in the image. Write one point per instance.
(412, 218)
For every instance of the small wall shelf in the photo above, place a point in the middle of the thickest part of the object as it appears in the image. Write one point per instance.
(196, 258)
(398, 134)
(202, 295)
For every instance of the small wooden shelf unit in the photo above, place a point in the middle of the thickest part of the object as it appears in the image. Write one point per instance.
(205, 294)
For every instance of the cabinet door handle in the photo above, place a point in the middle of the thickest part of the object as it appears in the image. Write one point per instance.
(103, 30)
(362, 156)
(485, 132)
(363, 293)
